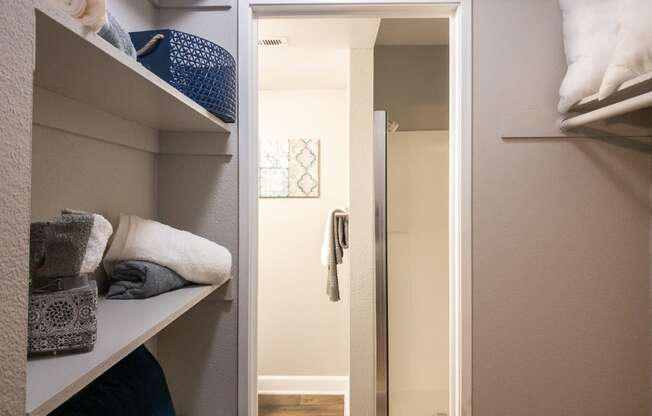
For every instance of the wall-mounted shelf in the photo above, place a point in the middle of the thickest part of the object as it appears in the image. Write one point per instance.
(633, 95)
(122, 325)
(78, 64)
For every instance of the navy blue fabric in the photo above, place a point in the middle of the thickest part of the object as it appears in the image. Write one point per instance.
(135, 386)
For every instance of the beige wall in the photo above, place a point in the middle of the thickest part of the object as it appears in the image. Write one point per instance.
(417, 209)
(560, 238)
(411, 84)
(300, 332)
(363, 292)
(17, 39)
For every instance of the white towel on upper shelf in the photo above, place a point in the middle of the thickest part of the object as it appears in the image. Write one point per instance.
(74, 8)
(96, 15)
(195, 258)
(91, 13)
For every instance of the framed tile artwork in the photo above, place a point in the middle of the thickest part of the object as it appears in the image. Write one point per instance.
(289, 168)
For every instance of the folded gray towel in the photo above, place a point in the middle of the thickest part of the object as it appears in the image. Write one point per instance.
(69, 245)
(136, 279)
(113, 33)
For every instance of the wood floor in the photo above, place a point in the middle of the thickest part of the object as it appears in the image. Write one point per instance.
(300, 405)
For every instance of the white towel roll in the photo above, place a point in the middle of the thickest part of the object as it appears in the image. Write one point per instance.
(195, 258)
(100, 234)
(74, 8)
(96, 14)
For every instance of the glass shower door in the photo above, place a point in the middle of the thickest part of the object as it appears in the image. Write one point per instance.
(411, 188)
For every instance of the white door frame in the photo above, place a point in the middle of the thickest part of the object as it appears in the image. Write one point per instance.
(461, 120)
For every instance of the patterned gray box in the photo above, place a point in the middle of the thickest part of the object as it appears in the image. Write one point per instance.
(64, 320)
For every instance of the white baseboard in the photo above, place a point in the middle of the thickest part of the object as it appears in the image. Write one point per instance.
(306, 385)
(303, 384)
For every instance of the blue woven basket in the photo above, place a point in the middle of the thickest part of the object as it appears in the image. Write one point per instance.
(200, 69)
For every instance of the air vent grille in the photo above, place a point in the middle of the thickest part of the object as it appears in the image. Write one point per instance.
(273, 42)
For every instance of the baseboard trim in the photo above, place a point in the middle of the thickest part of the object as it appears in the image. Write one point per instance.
(303, 384)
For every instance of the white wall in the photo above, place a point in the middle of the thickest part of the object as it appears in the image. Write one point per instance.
(417, 209)
(300, 331)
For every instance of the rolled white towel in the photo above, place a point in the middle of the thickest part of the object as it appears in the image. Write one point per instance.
(98, 238)
(195, 258)
(100, 234)
(74, 8)
(96, 14)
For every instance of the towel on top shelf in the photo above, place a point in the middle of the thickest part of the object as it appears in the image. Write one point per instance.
(113, 33)
(194, 258)
(95, 15)
(74, 8)
(90, 13)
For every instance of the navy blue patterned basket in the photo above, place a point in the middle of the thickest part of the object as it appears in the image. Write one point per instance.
(200, 69)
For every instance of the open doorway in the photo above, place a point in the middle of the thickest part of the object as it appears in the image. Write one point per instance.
(319, 81)
(304, 176)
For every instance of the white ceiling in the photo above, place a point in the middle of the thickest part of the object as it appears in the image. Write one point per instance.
(323, 32)
(316, 56)
(413, 32)
(317, 53)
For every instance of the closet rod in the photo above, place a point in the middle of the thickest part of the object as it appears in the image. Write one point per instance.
(617, 109)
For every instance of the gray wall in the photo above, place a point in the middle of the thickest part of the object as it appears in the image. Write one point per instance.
(560, 238)
(17, 38)
(411, 84)
(198, 191)
(198, 351)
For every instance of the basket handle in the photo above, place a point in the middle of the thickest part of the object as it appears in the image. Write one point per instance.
(150, 45)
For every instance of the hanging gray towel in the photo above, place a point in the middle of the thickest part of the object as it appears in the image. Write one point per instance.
(134, 279)
(336, 241)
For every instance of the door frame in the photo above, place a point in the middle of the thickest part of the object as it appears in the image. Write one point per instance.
(461, 121)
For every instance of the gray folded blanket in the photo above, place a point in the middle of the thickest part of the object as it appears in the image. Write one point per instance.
(69, 245)
(113, 33)
(136, 279)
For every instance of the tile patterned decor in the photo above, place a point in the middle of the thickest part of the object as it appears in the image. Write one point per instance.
(289, 168)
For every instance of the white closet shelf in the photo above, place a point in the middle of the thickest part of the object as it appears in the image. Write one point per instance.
(633, 95)
(122, 325)
(76, 63)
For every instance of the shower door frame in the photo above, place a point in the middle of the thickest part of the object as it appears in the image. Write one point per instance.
(460, 210)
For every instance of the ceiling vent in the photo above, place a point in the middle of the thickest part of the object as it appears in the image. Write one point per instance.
(275, 42)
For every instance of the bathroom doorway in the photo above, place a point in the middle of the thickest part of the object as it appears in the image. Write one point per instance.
(394, 329)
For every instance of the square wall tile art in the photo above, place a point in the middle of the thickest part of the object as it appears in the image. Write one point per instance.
(289, 168)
